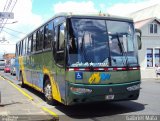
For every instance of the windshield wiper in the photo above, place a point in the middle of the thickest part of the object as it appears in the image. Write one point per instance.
(121, 47)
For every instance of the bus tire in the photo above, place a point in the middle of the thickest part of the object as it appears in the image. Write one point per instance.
(21, 80)
(48, 92)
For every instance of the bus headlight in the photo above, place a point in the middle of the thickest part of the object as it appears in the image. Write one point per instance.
(135, 87)
(80, 90)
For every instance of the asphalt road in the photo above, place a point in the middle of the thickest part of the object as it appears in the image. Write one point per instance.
(147, 107)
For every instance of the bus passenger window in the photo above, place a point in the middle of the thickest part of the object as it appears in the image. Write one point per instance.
(46, 37)
(50, 35)
(60, 47)
(29, 45)
(34, 43)
(39, 39)
(61, 38)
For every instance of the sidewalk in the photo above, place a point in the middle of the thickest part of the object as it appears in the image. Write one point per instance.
(151, 79)
(16, 106)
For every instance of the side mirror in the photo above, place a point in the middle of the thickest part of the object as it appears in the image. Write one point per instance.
(138, 37)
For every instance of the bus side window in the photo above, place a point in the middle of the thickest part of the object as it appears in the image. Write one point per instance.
(34, 42)
(39, 39)
(19, 51)
(60, 45)
(29, 45)
(54, 43)
(24, 46)
(26, 41)
(50, 34)
(45, 45)
(21, 48)
(61, 38)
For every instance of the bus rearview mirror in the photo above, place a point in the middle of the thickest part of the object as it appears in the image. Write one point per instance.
(138, 37)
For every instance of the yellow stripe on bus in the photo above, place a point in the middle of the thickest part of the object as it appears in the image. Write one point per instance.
(56, 93)
(22, 69)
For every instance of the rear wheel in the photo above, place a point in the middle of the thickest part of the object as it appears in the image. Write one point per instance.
(48, 92)
(21, 80)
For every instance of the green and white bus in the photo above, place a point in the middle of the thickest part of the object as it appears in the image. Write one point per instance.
(81, 58)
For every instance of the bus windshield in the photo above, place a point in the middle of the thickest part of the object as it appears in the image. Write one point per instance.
(101, 43)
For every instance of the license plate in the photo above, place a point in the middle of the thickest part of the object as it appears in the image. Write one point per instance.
(109, 97)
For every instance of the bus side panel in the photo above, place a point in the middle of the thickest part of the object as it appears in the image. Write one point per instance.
(17, 67)
(60, 73)
(50, 69)
(103, 77)
(22, 68)
(36, 71)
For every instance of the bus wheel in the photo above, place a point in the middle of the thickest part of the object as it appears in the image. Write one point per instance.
(21, 80)
(48, 92)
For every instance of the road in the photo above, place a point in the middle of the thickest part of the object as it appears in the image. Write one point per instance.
(148, 105)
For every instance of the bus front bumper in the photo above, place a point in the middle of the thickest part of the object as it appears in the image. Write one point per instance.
(83, 93)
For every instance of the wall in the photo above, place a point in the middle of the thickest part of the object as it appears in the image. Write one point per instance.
(148, 41)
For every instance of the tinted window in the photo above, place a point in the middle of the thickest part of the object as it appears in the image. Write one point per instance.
(20, 46)
(24, 47)
(26, 41)
(46, 37)
(29, 45)
(60, 50)
(39, 40)
(58, 20)
(17, 49)
(61, 38)
(34, 43)
(55, 41)
(50, 34)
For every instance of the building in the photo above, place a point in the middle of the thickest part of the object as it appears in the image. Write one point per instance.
(149, 12)
(8, 57)
(148, 21)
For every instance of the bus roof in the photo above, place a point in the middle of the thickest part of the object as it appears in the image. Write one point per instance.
(94, 15)
(89, 16)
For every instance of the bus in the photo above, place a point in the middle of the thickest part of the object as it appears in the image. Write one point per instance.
(81, 58)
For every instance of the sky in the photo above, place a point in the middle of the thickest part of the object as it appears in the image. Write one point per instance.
(29, 14)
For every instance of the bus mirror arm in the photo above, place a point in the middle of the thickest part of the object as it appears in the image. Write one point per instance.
(138, 37)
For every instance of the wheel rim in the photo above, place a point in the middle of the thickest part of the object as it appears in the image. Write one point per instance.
(48, 92)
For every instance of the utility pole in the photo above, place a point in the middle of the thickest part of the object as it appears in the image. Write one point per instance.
(5, 15)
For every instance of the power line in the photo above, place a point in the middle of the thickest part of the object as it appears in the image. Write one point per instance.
(11, 34)
(10, 11)
(14, 30)
(9, 4)
(4, 9)
(5, 6)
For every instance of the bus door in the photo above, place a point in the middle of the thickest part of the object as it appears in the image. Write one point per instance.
(60, 58)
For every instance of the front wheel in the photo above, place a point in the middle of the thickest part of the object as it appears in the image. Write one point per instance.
(48, 92)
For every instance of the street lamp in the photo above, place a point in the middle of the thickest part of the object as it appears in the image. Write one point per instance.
(3, 40)
(8, 23)
(12, 22)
